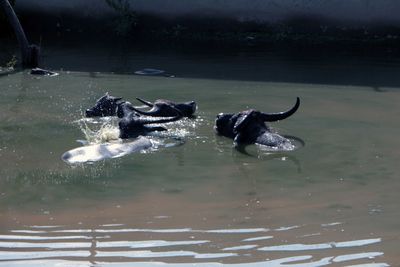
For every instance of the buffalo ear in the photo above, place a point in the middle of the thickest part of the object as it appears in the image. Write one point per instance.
(243, 121)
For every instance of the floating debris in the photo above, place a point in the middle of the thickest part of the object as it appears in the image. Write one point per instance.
(149, 72)
(43, 72)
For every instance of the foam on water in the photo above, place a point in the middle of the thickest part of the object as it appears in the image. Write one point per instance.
(292, 143)
(99, 131)
(105, 129)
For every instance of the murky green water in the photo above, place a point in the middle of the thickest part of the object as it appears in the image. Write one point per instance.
(333, 202)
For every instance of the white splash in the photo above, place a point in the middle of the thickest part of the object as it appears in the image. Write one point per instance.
(106, 132)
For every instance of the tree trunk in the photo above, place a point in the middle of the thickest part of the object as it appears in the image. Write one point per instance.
(29, 53)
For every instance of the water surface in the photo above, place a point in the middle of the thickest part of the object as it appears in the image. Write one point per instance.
(332, 202)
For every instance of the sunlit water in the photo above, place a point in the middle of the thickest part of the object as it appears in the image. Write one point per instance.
(194, 198)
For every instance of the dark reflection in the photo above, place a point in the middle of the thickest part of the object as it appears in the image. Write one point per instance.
(246, 63)
(313, 65)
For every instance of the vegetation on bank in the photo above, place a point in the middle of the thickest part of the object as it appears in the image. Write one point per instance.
(9, 65)
(126, 18)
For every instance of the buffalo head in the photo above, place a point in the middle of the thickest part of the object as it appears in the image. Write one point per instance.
(124, 109)
(105, 106)
(249, 126)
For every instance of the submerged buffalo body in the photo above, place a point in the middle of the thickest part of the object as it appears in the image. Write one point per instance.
(248, 127)
(97, 152)
(131, 125)
(167, 108)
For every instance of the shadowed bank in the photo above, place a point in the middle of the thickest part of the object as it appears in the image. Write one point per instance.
(302, 43)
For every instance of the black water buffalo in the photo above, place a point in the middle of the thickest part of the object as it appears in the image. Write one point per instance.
(248, 127)
(105, 106)
(111, 106)
(125, 108)
(167, 108)
(132, 125)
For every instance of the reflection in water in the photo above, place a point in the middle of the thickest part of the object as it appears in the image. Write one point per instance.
(104, 250)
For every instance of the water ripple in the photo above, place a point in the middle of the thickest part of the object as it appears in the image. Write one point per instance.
(64, 245)
(124, 246)
(17, 255)
(148, 243)
(163, 254)
(27, 237)
(299, 247)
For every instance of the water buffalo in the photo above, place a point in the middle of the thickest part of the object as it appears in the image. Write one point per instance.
(167, 108)
(248, 127)
(132, 125)
(105, 106)
(125, 108)
(111, 106)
